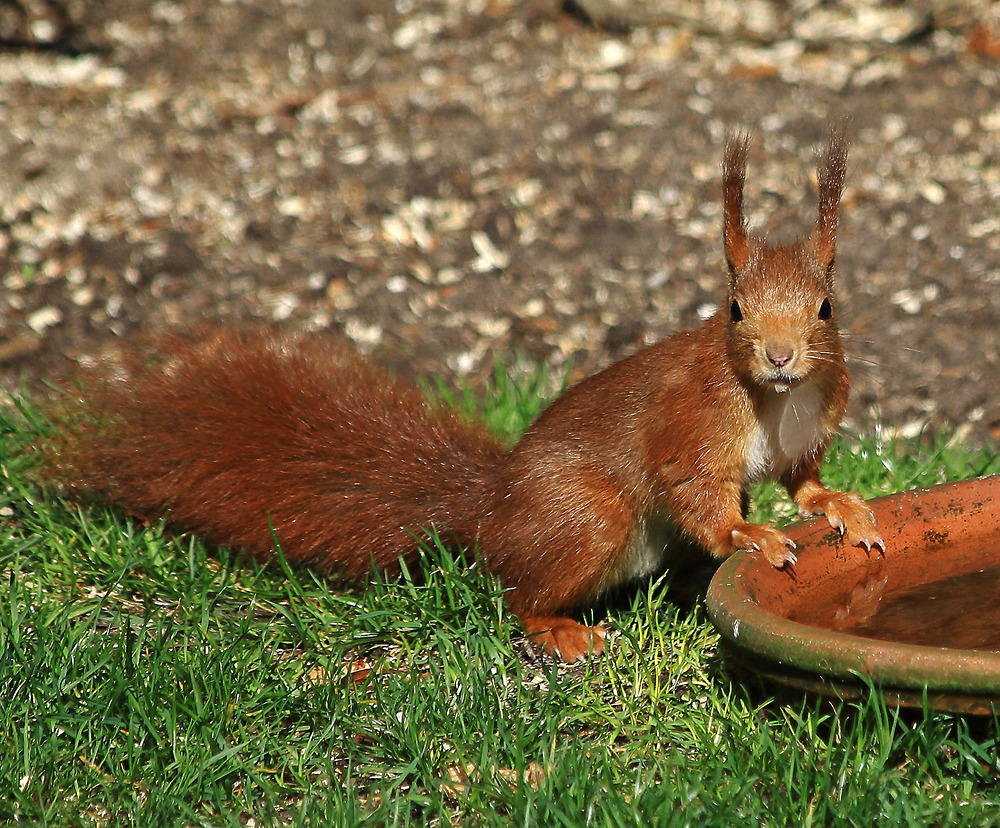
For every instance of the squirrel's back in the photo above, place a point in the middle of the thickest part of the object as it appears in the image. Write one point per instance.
(239, 432)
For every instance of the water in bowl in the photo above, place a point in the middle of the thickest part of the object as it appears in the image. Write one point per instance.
(961, 612)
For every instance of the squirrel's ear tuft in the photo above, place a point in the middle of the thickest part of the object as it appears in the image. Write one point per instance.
(734, 230)
(830, 174)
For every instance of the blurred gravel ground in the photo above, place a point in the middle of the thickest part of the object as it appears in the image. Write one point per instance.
(441, 181)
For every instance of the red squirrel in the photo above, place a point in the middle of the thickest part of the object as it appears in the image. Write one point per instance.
(240, 432)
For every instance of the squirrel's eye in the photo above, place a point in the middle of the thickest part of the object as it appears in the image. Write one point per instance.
(734, 312)
(825, 309)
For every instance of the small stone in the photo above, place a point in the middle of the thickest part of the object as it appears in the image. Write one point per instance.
(44, 318)
(324, 108)
(396, 284)
(362, 333)
(990, 121)
(705, 310)
(340, 295)
(355, 156)
(933, 192)
(490, 256)
(532, 309)
(294, 207)
(83, 296)
(421, 271)
(449, 276)
(613, 54)
(491, 327)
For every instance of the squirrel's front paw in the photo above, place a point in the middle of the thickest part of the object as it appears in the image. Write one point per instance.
(849, 515)
(767, 540)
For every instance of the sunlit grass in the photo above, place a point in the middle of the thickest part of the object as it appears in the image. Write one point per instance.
(146, 680)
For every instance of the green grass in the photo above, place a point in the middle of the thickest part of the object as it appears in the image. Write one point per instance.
(147, 681)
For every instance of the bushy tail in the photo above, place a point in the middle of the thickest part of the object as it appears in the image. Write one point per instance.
(237, 432)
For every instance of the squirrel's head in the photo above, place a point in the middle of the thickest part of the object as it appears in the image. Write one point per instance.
(781, 309)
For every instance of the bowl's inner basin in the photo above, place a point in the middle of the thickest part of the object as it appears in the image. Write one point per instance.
(921, 618)
(961, 612)
(936, 585)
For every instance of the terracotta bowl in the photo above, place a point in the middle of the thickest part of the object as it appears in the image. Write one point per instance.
(921, 621)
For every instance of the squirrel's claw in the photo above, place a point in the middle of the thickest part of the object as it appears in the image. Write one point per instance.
(873, 543)
(850, 516)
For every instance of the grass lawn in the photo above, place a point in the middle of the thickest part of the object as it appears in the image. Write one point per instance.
(145, 680)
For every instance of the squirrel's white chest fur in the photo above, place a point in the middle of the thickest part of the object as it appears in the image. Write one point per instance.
(790, 426)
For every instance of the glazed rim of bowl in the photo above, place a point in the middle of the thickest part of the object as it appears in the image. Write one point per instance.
(747, 599)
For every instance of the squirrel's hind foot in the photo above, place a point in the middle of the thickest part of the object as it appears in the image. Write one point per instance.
(564, 637)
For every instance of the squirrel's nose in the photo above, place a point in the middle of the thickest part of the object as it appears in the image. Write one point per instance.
(780, 355)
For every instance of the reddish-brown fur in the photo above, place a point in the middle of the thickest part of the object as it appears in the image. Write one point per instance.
(240, 432)
(347, 464)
